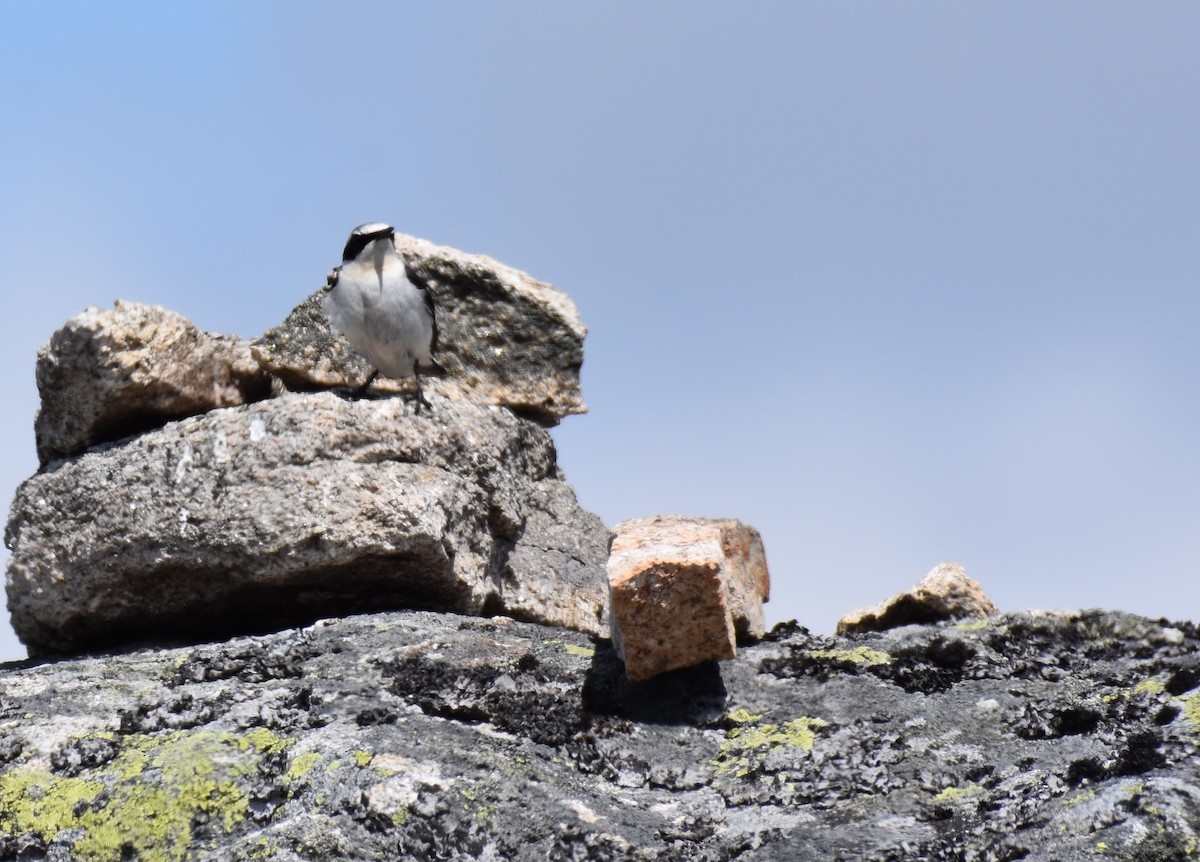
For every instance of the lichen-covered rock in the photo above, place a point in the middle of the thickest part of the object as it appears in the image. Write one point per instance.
(503, 337)
(944, 593)
(283, 511)
(413, 735)
(108, 373)
(684, 590)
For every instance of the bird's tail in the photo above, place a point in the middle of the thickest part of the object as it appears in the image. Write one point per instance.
(431, 369)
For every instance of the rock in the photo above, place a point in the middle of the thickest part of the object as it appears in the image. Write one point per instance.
(747, 580)
(503, 338)
(684, 591)
(944, 593)
(414, 735)
(113, 372)
(284, 511)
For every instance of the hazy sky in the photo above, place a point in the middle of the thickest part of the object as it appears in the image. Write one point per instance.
(895, 283)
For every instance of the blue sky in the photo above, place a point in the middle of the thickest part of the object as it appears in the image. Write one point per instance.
(895, 283)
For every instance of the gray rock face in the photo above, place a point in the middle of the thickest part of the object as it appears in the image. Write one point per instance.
(414, 735)
(288, 510)
(504, 338)
(109, 373)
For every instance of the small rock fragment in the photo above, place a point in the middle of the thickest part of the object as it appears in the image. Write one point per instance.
(684, 591)
(945, 593)
(746, 578)
(109, 373)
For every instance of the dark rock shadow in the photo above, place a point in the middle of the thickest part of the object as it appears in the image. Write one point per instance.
(415, 580)
(693, 696)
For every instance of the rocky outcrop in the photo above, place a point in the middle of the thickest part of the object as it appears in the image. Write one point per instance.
(684, 590)
(380, 734)
(287, 510)
(109, 373)
(186, 494)
(504, 338)
(414, 735)
(944, 593)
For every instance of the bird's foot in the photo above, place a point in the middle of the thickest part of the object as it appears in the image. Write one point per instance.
(419, 400)
(418, 395)
(361, 391)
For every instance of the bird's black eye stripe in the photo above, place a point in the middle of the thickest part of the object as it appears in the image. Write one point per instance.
(354, 246)
(358, 241)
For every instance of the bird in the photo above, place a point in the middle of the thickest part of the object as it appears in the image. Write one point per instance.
(383, 312)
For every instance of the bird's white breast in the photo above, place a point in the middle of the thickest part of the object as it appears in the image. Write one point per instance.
(382, 314)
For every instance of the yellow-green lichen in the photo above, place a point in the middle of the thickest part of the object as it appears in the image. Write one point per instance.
(1191, 710)
(747, 746)
(741, 715)
(569, 648)
(485, 813)
(36, 801)
(1152, 686)
(362, 758)
(957, 794)
(973, 625)
(301, 765)
(263, 741)
(145, 800)
(482, 811)
(862, 655)
(1085, 796)
(263, 849)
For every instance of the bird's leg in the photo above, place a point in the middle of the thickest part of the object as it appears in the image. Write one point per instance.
(420, 395)
(362, 390)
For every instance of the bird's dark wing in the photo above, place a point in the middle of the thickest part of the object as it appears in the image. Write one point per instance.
(420, 284)
(432, 319)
